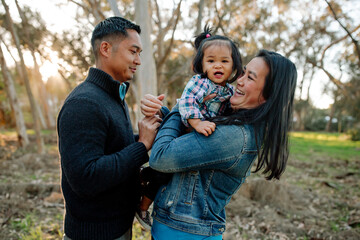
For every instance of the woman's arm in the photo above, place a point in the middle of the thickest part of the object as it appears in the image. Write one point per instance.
(174, 152)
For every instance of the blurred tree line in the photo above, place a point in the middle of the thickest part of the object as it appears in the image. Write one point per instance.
(320, 36)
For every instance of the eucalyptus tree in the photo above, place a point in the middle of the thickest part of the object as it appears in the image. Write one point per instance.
(33, 104)
(32, 37)
(23, 138)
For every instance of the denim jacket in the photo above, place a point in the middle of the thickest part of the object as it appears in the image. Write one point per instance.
(207, 172)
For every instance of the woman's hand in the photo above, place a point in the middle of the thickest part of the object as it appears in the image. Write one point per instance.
(151, 105)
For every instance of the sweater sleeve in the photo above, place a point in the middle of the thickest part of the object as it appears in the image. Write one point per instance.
(83, 130)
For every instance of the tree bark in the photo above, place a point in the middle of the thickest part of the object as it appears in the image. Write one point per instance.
(40, 86)
(39, 140)
(14, 103)
(328, 124)
(114, 7)
(146, 81)
(200, 18)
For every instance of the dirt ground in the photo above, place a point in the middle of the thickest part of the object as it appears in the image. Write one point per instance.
(317, 200)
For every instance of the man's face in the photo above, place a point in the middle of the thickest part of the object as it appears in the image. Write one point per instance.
(124, 57)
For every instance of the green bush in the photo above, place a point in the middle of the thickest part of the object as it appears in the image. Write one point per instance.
(354, 134)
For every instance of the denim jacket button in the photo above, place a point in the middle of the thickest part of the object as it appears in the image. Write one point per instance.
(221, 229)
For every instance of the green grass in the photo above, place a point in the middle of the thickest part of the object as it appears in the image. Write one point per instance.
(322, 161)
(29, 227)
(309, 145)
(12, 132)
(315, 158)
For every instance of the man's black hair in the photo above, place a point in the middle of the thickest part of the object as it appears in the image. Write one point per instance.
(112, 27)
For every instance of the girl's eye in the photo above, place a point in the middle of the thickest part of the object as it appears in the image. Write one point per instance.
(211, 61)
(225, 61)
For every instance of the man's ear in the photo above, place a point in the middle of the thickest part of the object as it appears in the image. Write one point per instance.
(105, 49)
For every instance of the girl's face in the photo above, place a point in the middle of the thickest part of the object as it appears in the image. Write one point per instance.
(248, 93)
(218, 63)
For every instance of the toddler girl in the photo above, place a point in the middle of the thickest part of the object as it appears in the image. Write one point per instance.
(217, 64)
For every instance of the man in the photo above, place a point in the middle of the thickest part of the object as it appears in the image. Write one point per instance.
(100, 156)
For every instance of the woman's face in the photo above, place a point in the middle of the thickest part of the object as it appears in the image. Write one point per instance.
(248, 92)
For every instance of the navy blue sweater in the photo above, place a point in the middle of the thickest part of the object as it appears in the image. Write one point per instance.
(100, 160)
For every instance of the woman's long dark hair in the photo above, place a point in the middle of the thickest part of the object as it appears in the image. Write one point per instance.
(275, 114)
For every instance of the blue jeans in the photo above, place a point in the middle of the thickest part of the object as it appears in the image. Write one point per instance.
(125, 236)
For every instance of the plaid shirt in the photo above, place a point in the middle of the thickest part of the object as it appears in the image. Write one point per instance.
(192, 105)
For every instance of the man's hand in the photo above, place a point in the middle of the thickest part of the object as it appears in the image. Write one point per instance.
(204, 127)
(151, 105)
(148, 127)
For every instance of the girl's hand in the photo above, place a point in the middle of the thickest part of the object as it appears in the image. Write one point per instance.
(208, 97)
(204, 127)
(151, 105)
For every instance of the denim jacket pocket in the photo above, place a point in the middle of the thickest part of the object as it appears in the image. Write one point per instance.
(250, 151)
(164, 198)
(191, 186)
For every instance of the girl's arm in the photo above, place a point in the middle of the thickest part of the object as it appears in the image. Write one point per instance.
(193, 95)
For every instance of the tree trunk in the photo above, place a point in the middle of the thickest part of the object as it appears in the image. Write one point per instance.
(15, 106)
(40, 86)
(43, 95)
(146, 81)
(114, 7)
(339, 123)
(328, 124)
(200, 18)
(39, 140)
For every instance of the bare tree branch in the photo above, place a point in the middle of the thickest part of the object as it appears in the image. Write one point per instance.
(355, 42)
(168, 50)
(337, 41)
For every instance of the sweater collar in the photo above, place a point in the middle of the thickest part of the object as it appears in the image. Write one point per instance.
(105, 81)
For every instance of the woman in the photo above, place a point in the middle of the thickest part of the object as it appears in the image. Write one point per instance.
(207, 171)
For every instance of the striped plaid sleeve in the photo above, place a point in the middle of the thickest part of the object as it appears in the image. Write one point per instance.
(192, 98)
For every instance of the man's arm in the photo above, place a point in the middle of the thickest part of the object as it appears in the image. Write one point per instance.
(82, 143)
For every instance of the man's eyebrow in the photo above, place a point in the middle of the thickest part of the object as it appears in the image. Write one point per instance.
(137, 47)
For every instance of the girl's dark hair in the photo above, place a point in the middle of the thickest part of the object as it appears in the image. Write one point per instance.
(205, 40)
(275, 114)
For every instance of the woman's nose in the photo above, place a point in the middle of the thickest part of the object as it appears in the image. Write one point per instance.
(240, 81)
